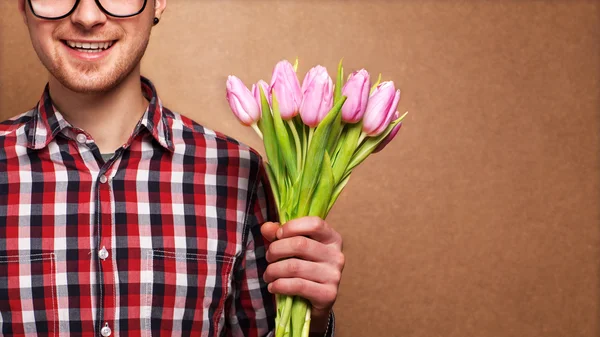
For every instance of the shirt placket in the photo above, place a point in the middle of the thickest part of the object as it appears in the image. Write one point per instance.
(106, 300)
(108, 294)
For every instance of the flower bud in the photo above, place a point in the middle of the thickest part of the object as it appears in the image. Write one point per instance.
(389, 137)
(357, 92)
(256, 93)
(241, 101)
(317, 96)
(286, 87)
(380, 109)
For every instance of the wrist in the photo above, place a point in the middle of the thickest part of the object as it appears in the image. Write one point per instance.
(319, 324)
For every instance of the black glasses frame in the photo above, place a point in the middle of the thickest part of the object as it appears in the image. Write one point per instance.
(77, 3)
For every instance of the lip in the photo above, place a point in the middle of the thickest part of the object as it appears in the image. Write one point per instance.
(85, 56)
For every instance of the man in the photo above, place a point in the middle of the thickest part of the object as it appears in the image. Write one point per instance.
(120, 217)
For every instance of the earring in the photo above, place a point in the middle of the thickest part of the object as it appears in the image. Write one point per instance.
(156, 21)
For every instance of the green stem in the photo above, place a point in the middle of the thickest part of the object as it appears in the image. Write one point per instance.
(257, 130)
(306, 327)
(304, 143)
(311, 132)
(297, 141)
(285, 317)
(361, 138)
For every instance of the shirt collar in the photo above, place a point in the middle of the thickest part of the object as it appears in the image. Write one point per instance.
(47, 121)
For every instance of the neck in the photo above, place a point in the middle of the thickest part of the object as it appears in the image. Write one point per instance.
(109, 117)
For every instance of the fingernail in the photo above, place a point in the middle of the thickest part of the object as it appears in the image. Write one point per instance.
(270, 287)
(279, 233)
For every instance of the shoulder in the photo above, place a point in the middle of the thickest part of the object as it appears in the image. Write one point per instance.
(15, 128)
(190, 138)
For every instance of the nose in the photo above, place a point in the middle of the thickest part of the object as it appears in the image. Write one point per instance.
(88, 14)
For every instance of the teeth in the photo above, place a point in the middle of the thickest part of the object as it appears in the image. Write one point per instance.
(97, 46)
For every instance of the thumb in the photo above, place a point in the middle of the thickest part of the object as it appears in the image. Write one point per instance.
(269, 230)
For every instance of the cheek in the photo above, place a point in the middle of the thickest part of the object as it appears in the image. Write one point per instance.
(42, 40)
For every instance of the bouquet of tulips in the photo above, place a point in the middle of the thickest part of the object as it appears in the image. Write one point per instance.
(314, 136)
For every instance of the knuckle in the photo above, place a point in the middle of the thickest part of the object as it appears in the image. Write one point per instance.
(339, 238)
(301, 243)
(341, 261)
(293, 267)
(337, 276)
(329, 294)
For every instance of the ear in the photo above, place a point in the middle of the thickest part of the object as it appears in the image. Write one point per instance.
(159, 7)
(23, 10)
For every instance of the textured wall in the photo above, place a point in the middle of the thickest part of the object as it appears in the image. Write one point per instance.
(482, 219)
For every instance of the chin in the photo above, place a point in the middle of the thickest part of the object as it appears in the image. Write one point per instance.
(92, 81)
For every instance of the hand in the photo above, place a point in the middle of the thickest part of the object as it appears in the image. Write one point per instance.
(305, 259)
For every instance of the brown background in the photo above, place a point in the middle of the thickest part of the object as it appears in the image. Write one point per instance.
(482, 218)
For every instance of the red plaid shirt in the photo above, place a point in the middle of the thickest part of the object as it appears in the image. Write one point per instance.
(163, 239)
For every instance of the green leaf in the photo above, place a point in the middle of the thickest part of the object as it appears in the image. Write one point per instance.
(334, 136)
(315, 155)
(339, 82)
(270, 139)
(370, 144)
(284, 141)
(273, 182)
(336, 192)
(342, 159)
(376, 84)
(320, 200)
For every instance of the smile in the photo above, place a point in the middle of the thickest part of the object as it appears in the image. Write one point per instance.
(89, 47)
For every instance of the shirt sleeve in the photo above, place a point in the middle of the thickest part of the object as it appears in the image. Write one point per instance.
(252, 310)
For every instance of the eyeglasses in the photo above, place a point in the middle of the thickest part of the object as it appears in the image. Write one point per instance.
(59, 9)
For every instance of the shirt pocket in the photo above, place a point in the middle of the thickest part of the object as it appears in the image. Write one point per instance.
(28, 295)
(185, 293)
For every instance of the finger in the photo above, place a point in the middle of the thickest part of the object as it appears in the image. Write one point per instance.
(299, 247)
(296, 268)
(269, 230)
(311, 226)
(321, 296)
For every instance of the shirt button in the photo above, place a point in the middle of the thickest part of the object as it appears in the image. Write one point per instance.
(103, 253)
(103, 179)
(105, 331)
(81, 138)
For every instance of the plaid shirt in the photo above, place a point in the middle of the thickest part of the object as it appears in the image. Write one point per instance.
(163, 239)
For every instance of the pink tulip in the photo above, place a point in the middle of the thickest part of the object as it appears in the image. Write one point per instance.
(241, 101)
(317, 93)
(286, 87)
(389, 137)
(357, 92)
(256, 93)
(380, 109)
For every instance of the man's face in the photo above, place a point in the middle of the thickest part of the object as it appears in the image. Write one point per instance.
(119, 44)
